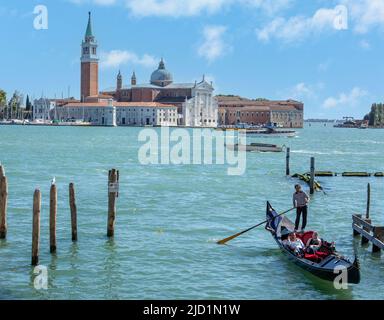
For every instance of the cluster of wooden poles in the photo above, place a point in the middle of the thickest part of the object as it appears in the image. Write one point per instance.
(312, 186)
(113, 181)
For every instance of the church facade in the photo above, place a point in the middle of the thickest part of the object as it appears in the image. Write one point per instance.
(196, 104)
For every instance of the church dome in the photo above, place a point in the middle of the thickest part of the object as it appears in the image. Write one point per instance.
(161, 77)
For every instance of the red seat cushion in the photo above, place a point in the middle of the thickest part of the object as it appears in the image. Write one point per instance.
(306, 236)
(321, 254)
(311, 257)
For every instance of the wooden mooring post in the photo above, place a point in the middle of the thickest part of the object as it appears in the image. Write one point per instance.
(73, 207)
(312, 181)
(368, 200)
(36, 227)
(287, 169)
(368, 232)
(378, 233)
(113, 193)
(365, 240)
(52, 217)
(3, 203)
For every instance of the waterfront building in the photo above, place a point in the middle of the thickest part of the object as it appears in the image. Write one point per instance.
(112, 113)
(234, 110)
(195, 102)
(42, 109)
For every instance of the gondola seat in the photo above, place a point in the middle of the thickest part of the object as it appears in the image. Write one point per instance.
(305, 236)
(316, 257)
(312, 257)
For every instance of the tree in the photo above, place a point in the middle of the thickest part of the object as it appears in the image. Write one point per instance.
(28, 104)
(3, 103)
(376, 116)
(14, 105)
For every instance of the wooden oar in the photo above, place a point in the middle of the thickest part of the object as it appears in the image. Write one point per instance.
(224, 241)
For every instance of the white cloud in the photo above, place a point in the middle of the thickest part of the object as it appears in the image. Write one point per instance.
(116, 58)
(269, 6)
(302, 91)
(365, 44)
(213, 45)
(345, 99)
(186, 8)
(96, 2)
(300, 27)
(175, 8)
(366, 14)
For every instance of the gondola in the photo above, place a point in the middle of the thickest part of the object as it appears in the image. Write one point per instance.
(327, 267)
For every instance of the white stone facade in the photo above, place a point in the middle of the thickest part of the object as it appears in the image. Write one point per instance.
(146, 115)
(111, 113)
(42, 108)
(202, 109)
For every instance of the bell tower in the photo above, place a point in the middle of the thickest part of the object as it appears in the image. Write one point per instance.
(89, 64)
(119, 84)
(133, 79)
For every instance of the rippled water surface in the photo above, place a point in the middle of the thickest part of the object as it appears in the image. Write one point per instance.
(169, 217)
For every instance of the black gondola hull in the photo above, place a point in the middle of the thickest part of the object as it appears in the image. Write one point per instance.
(329, 269)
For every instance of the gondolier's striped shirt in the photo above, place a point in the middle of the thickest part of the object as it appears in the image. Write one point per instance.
(300, 199)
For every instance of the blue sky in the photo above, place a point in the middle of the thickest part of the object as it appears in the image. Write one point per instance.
(328, 54)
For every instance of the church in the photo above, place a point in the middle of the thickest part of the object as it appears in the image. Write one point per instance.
(195, 103)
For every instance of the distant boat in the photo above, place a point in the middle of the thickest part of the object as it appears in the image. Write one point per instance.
(271, 131)
(256, 147)
(364, 125)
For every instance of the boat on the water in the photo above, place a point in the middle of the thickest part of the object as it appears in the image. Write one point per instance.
(271, 131)
(256, 147)
(327, 266)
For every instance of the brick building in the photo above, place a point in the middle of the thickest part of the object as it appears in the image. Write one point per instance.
(195, 102)
(234, 110)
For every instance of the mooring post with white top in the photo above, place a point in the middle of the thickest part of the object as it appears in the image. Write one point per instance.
(3, 203)
(113, 193)
(73, 207)
(36, 227)
(312, 181)
(287, 169)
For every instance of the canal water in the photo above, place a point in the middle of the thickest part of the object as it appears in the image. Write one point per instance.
(170, 216)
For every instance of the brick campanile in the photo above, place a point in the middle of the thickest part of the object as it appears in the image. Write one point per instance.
(89, 64)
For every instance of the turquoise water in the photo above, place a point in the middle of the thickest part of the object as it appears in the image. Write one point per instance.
(169, 217)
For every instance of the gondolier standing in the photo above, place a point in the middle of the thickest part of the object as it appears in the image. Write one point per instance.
(300, 202)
